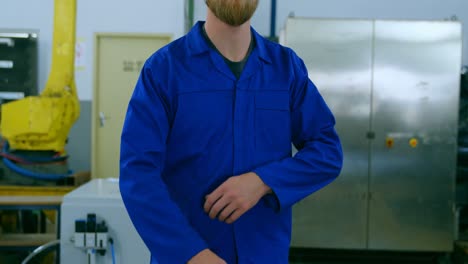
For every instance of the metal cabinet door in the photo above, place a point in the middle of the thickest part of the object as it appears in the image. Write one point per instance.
(414, 116)
(338, 57)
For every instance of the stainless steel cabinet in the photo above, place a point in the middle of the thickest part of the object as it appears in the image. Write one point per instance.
(393, 87)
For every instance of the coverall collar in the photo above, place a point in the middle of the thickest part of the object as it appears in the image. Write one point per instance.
(197, 45)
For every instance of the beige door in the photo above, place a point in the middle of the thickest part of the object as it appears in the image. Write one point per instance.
(119, 59)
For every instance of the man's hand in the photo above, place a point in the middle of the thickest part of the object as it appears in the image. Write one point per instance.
(206, 257)
(235, 196)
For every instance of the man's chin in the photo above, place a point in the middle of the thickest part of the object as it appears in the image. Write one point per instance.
(231, 14)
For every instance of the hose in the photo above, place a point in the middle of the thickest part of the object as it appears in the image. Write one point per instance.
(42, 159)
(36, 175)
(18, 159)
(6, 151)
(112, 250)
(40, 249)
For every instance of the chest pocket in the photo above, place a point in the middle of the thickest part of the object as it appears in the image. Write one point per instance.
(272, 121)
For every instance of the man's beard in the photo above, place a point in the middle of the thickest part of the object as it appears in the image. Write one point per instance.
(233, 12)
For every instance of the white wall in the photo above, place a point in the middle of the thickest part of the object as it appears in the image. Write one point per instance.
(365, 9)
(146, 16)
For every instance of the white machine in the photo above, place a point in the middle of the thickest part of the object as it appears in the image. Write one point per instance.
(96, 228)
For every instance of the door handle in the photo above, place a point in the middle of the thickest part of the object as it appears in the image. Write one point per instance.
(102, 119)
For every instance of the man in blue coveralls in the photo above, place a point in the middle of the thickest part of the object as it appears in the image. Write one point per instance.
(206, 171)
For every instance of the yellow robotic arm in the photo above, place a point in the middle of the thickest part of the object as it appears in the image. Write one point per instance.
(43, 122)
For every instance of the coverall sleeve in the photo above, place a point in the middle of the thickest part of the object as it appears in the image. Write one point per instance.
(157, 218)
(320, 156)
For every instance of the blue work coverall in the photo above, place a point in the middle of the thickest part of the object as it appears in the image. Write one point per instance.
(191, 124)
